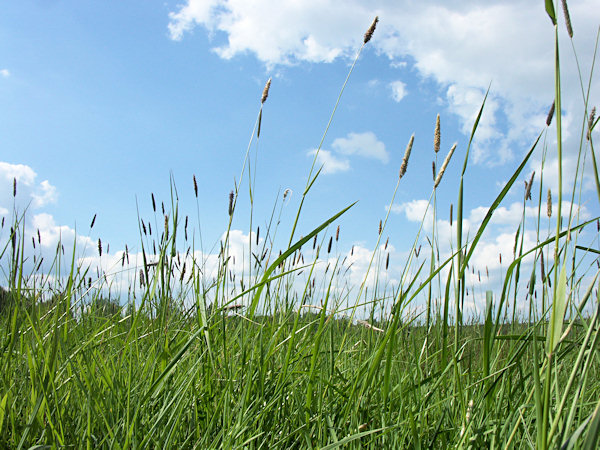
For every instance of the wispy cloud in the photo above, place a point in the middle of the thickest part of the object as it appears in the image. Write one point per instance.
(5, 73)
(398, 90)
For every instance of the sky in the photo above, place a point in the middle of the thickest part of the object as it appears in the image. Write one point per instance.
(106, 103)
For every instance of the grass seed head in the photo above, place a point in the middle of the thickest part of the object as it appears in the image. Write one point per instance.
(436, 137)
(195, 187)
(265, 93)
(528, 187)
(14, 187)
(93, 222)
(406, 156)
(231, 203)
(371, 30)
(337, 234)
(438, 179)
(99, 247)
(549, 204)
(550, 114)
(591, 123)
(567, 18)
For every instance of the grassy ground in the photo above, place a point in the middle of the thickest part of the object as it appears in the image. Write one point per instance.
(184, 365)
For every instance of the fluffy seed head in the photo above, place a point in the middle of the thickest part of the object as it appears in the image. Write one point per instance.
(406, 156)
(371, 30)
(265, 93)
(438, 179)
(436, 137)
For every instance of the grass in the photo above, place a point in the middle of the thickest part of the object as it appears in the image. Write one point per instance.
(200, 361)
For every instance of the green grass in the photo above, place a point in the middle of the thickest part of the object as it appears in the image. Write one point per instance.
(182, 366)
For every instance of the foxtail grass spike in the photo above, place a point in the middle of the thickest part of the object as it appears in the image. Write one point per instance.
(14, 187)
(549, 204)
(337, 234)
(93, 222)
(528, 187)
(406, 156)
(195, 187)
(329, 246)
(438, 179)
(550, 114)
(567, 18)
(380, 227)
(99, 247)
(371, 30)
(451, 206)
(153, 202)
(265, 93)
(591, 123)
(231, 203)
(436, 137)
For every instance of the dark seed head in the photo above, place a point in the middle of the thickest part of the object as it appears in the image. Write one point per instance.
(371, 30)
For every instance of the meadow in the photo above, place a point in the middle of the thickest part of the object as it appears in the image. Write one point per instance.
(195, 358)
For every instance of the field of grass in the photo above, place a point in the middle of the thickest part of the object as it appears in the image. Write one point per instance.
(189, 360)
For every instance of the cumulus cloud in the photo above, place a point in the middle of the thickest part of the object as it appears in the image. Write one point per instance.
(365, 145)
(30, 192)
(467, 46)
(5, 73)
(330, 162)
(362, 144)
(398, 90)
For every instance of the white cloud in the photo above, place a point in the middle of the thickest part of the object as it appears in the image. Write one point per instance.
(29, 191)
(330, 162)
(398, 90)
(4, 73)
(467, 45)
(363, 144)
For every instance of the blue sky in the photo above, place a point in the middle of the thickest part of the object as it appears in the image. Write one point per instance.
(103, 101)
